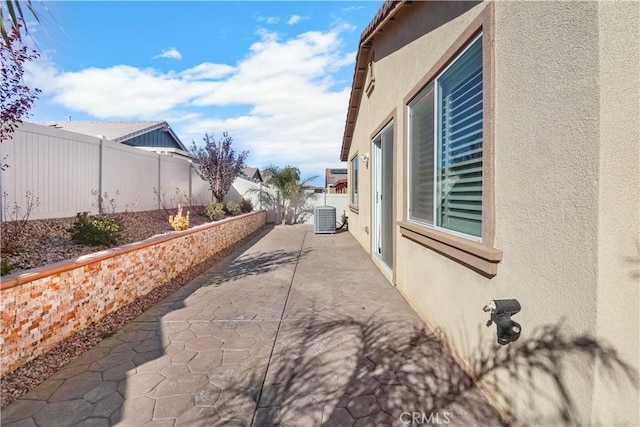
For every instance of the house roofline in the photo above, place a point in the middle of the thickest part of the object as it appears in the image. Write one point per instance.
(385, 14)
(137, 132)
(160, 125)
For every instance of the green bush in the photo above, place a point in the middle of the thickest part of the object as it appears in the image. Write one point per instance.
(232, 208)
(214, 211)
(246, 205)
(96, 230)
(5, 268)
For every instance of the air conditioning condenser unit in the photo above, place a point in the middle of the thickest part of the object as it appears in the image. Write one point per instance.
(324, 220)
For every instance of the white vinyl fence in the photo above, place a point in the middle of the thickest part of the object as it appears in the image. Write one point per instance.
(66, 171)
(338, 201)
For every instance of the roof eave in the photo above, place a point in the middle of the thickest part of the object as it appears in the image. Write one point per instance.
(137, 132)
(160, 125)
(384, 15)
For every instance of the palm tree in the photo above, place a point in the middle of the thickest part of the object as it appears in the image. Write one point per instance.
(12, 11)
(289, 196)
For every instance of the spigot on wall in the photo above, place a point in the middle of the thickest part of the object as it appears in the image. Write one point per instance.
(501, 311)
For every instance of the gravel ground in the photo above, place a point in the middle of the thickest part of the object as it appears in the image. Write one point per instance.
(48, 242)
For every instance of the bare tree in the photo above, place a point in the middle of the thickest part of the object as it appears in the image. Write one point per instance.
(218, 163)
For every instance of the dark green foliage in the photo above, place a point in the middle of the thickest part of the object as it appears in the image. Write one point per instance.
(5, 268)
(96, 230)
(214, 211)
(232, 208)
(246, 205)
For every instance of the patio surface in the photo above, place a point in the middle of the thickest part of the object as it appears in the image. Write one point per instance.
(292, 329)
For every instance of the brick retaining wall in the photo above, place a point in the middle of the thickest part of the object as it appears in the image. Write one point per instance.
(43, 306)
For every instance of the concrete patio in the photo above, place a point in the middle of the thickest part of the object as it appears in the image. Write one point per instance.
(292, 329)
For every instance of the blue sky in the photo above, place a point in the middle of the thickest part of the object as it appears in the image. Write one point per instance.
(275, 75)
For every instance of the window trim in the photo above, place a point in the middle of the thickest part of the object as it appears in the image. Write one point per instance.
(353, 207)
(480, 255)
(434, 83)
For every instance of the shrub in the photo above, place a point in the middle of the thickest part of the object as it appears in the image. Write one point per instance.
(232, 208)
(96, 230)
(5, 267)
(246, 205)
(214, 211)
(179, 222)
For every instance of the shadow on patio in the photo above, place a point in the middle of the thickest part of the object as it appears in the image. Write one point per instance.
(292, 329)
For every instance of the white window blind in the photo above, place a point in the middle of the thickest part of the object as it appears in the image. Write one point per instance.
(445, 128)
(354, 181)
(460, 143)
(421, 156)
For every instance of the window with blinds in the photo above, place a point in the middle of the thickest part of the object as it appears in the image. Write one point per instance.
(354, 181)
(421, 157)
(445, 130)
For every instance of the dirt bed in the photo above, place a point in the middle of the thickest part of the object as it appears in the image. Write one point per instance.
(47, 241)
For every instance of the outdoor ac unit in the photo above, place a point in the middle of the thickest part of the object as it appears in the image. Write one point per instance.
(324, 219)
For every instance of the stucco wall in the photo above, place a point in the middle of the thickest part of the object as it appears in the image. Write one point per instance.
(619, 206)
(396, 73)
(547, 143)
(556, 153)
(41, 307)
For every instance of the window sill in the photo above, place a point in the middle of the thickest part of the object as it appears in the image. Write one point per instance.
(480, 258)
(354, 209)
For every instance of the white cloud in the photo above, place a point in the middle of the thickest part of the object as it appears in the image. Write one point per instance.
(353, 8)
(281, 101)
(294, 19)
(171, 53)
(207, 71)
(269, 19)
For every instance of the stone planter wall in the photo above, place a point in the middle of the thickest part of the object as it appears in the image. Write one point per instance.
(42, 307)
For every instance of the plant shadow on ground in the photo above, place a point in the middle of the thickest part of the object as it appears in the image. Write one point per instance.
(339, 372)
(260, 263)
(148, 336)
(191, 364)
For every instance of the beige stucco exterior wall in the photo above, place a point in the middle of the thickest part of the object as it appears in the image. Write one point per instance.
(619, 206)
(563, 159)
(396, 73)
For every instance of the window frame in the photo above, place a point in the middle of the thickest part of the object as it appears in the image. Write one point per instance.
(354, 207)
(479, 254)
(434, 87)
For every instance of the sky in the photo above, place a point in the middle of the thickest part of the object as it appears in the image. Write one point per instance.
(275, 75)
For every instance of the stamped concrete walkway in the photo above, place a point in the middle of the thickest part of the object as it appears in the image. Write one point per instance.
(293, 329)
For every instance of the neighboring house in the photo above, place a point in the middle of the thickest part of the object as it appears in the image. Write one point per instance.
(245, 185)
(332, 176)
(340, 186)
(492, 150)
(252, 174)
(154, 136)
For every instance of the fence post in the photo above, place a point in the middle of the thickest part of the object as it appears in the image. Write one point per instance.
(101, 168)
(190, 183)
(159, 180)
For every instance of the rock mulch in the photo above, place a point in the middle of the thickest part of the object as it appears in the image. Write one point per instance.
(139, 226)
(47, 241)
